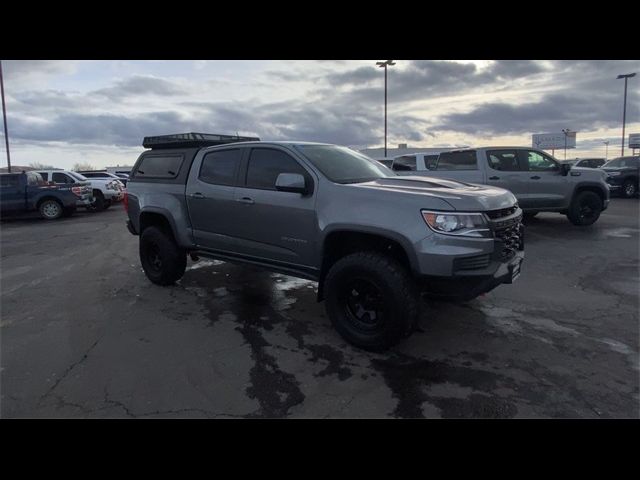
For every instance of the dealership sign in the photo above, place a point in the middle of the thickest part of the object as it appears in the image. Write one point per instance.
(551, 141)
(634, 140)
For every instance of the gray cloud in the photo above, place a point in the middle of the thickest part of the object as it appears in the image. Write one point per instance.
(348, 111)
(141, 85)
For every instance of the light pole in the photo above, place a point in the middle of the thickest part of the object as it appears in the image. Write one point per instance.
(624, 109)
(385, 65)
(4, 118)
(566, 134)
(606, 150)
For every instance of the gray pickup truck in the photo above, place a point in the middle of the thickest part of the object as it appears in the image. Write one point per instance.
(539, 182)
(372, 239)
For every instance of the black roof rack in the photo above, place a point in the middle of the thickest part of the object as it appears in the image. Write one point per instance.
(192, 139)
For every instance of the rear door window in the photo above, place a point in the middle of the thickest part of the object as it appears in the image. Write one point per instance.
(220, 168)
(45, 176)
(430, 161)
(404, 164)
(503, 160)
(538, 162)
(58, 177)
(159, 166)
(9, 181)
(465, 160)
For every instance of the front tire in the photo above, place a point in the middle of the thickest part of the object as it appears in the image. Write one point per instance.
(371, 300)
(51, 210)
(162, 259)
(629, 188)
(98, 203)
(585, 209)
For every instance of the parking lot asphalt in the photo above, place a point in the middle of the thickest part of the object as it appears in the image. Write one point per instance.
(84, 334)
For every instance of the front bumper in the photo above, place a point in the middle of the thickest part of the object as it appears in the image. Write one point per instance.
(464, 287)
(114, 195)
(465, 267)
(84, 201)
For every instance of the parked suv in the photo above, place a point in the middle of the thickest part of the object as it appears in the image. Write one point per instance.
(372, 239)
(539, 181)
(589, 162)
(106, 190)
(623, 174)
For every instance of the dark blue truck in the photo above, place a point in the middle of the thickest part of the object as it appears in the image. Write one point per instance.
(27, 192)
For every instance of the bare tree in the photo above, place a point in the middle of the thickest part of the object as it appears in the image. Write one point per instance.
(82, 166)
(41, 166)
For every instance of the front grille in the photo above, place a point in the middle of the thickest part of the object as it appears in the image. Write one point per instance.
(471, 263)
(503, 212)
(511, 238)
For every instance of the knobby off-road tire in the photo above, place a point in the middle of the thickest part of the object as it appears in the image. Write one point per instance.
(162, 259)
(585, 209)
(371, 300)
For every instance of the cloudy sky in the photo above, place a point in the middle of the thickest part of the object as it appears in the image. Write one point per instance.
(63, 112)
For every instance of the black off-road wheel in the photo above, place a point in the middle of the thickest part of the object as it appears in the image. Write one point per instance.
(371, 300)
(585, 209)
(162, 259)
(630, 188)
(51, 210)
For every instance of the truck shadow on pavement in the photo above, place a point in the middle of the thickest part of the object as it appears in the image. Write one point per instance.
(278, 316)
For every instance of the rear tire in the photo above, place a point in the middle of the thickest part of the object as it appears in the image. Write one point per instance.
(630, 188)
(51, 210)
(162, 259)
(585, 209)
(371, 300)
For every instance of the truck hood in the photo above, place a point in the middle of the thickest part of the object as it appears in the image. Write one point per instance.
(461, 196)
(588, 173)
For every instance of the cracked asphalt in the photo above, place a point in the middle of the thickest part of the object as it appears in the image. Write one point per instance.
(84, 334)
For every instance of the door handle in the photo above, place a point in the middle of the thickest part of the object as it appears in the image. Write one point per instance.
(197, 195)
(246, 200)
(535, 177)
(494, 178)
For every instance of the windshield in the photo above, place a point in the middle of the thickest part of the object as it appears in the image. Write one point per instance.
(77, 176)
(343, 165)
(623, 162)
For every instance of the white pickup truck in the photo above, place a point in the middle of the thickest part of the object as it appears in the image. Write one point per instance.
(105, 190)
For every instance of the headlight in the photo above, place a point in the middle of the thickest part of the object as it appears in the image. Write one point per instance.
(465, 224)
(613, 174)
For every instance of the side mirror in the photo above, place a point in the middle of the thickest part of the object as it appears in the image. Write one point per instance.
(564, 169)
(291, 182)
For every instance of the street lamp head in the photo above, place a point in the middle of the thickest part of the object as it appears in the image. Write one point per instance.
(385, 64)
(628, 75)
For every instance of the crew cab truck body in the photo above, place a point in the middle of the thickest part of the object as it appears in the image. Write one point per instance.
(71, 179)
(373, 240)
(539, 181)
(623, 174)
(27, 192)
